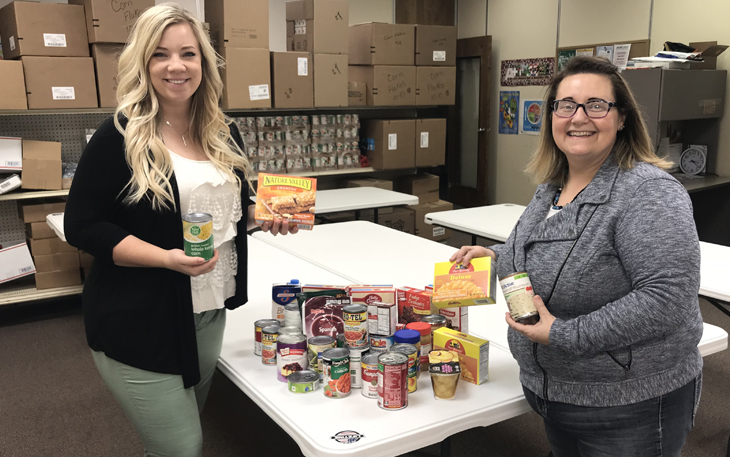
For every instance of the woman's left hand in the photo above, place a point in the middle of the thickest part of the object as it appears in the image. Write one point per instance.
(540, 332)
(279, 226)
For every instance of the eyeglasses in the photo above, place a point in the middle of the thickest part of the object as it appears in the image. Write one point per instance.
(595, 109)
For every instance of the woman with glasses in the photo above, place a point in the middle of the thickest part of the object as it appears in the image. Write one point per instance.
(610, 246)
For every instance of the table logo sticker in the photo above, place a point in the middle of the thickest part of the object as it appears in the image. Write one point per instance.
(347, 437)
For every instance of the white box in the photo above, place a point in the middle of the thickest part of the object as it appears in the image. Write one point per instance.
(382, 318)
(15, 262)
(9, 183)
(11, 154)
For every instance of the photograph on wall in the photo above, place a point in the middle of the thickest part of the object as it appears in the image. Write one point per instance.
(605, 51)
(564, 57)
(509, 102)
(531, 117)
(528, 72)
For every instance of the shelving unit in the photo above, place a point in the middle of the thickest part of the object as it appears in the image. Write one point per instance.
(25, 195)
(13, 293)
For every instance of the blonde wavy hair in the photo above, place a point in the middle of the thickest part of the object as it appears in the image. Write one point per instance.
(633, 144)
(146, 154)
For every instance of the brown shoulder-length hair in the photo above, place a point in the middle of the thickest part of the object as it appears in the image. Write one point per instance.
(549, 164)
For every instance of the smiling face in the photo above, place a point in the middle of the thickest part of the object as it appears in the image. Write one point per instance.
(176, 67)
(581, 138)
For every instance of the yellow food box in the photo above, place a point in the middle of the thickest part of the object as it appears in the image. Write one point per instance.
(286, 197)
(473, 353)
(455, 285)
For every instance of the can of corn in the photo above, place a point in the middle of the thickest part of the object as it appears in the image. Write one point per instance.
(198, 235)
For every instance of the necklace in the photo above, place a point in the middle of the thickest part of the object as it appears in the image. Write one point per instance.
(182, 135)
(557, 197)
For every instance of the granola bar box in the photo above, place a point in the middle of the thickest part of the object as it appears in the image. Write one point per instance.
(456, 285)
(286, 197)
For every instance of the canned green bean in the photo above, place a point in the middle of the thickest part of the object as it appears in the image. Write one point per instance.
(198, 235)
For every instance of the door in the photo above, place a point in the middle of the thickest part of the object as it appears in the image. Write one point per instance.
(468, 137)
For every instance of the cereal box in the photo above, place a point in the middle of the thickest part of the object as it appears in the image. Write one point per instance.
(286, 197)
(456, 285)
(473, 353)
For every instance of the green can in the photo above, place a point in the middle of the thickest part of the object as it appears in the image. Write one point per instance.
(198, 235)
(336, 373)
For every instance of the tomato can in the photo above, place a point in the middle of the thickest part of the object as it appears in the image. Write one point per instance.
(198, 235)
(355, 368)
(356, 325)
(369, 375)
(317, 345)
(336, 373)
(291, 355)
(258, 325)
(518, 293)
(269, 335)
(392, 380)
(413, 363)
(302, 382)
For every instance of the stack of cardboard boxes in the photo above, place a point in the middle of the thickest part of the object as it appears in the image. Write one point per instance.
(426, 187)
(37, 162)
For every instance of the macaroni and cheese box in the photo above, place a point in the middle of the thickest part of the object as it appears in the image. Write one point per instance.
(456, 285)
(473, 353)
(286, 197)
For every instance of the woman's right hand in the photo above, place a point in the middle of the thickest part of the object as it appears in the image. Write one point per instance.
(466, 253)
(176, 260)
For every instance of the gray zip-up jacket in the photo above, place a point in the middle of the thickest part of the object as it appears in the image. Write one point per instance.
(628, 318)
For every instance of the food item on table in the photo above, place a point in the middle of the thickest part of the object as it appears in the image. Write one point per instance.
(445, 372)
(355, 325)
(322, 312)
(336, 372)
(291, 355)
(258, 325)
(269, 335)
(283, 295)
(392, 380)
(316, 346)
(473, 353)
(369, 374)
(303, 381)
(413, 365)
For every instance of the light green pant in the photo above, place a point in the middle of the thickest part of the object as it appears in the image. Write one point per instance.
(166, 415)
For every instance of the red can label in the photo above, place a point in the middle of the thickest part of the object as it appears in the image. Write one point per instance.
(393, 385)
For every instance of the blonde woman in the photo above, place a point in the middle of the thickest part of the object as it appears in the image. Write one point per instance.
(155, 317)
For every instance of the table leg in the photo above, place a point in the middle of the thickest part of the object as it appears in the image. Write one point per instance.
(473, 240)
(376, 215)
(446, 447)
(719, 304)
(357, 214)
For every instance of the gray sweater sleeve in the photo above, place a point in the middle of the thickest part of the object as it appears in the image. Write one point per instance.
(656, 241)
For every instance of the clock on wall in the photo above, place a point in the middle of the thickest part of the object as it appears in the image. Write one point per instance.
(693, 160)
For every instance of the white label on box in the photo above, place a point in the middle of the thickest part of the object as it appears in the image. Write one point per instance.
(392, 141)
(300, 27)
(438, 231)
(424, 140)
(12, 163)
(15, 262)
(302, 68)
(439, 56)
(260, 92)
(12, 43)
(55, 40)
(63, 93)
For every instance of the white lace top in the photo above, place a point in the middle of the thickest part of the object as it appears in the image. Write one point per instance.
(204, 189)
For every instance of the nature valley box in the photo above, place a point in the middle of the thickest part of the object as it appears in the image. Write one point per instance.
(456, 285)
(473, 353)
(286, 197)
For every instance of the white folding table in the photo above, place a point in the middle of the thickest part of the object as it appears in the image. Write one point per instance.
(715, 275)
(494, 221)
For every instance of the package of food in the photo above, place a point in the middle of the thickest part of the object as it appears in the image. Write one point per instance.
(413, 304)
(456, 285)
(286, 197)
(456, 318)
(473, 353)
(322, 312)
(366, 295)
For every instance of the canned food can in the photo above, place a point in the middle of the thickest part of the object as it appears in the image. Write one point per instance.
(336, 373)
(283, 295)
(291, 330)
(356, 354)
(258, 325)
(369, 374)
(518, 293)
(291, 355)
(269, 335)
(340, 340)
(356, 325)
(317, 345)
(302, 382)
(198, 235)
(413, 363)
(380, 343)
(392, 381)
(292, 316)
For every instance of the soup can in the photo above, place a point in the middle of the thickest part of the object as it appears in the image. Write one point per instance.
(413, 363)
(369, 375)
(292, 316)
(356, 325)
(340, 340)
(518, 293)
(269, 335)
(258, 325)
(291, 355)
(336, 373)
(290, 331)
(392, 380)
(198, 235)
(355, 368)
(302, 382)
(316, 346)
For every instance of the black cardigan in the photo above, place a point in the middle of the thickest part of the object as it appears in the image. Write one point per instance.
(142, 317)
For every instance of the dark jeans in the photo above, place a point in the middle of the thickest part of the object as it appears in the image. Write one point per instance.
(657, 427)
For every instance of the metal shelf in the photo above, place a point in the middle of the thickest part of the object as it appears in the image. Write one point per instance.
(39, 112)
(33, 194)
(258, 111)
(314, 174)
(23, 293)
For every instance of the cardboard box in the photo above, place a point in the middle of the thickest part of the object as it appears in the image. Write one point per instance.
(456, 286)
(435, 85)
(424, 230)
(357, 93)
(292, 79)
(42, 167)
(413, 304)
(330, 80)
(400, 219)
(50, 246)
(11, 153)
(290, 197)
(382, 318)
(318, 26)
(246, 78)
(424, 185)
(709, 52)
(8, 183)
(38, 212)
(238, 23)
(456, 318)
(85, 259)
(60, 82)
(430, 142)
(15, 262)
(435, 45)
(59, 278)
(391, 143)
(12, 90)
(111, 21)
(387, 85)
(370, 182)
(473, 353)
(39, 230)
(53, 262)
(43, 29)
(376, 43)
(106, 59)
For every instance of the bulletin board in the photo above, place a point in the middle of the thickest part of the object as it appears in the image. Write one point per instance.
(639, 48)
